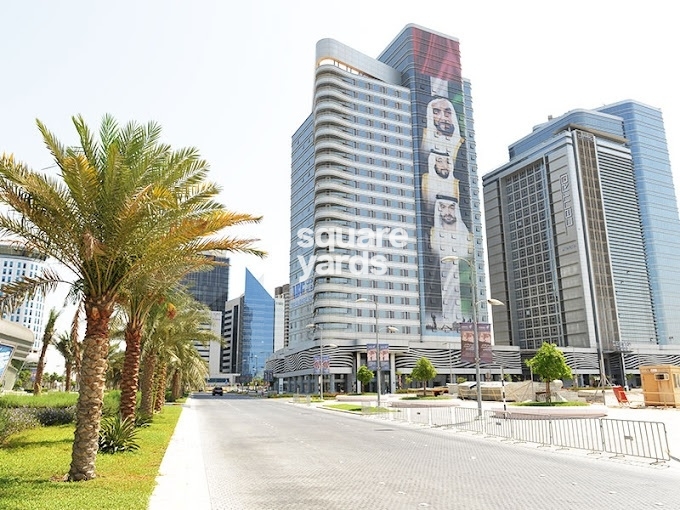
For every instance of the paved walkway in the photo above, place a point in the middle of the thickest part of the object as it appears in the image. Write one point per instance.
(182, 483)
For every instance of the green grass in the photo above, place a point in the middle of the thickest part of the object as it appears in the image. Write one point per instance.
(56, 399)
(59, 399)
(33, 463)
(354, 408)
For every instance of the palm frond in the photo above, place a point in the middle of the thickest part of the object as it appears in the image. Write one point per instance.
(14, 293)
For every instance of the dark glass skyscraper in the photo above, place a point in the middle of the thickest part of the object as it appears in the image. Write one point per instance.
(211, 287)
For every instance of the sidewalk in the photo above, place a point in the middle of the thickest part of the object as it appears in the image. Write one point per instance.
(182, 483)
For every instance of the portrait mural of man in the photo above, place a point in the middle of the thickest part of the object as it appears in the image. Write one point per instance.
(443, 131)
(442, 214)
(438, 180)
(449, 237)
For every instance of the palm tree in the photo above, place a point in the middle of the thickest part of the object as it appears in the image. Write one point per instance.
(187, 370)
(68, 346)
(123, 207)
(64, 345)
(46, 341)
(138, 301)
(170, 340)
(114, 366)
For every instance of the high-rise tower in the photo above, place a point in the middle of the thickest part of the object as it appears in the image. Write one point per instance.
(583, 235)
(385, 212)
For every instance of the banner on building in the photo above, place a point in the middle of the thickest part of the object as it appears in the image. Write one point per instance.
(372, 356)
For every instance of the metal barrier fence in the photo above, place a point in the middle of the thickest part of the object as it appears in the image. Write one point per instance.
(619, 437)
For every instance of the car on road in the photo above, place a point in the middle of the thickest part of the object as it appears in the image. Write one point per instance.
(217, 390)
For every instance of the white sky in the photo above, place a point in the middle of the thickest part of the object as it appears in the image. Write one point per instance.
(235, 78)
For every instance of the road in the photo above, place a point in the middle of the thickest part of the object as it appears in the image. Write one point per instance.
(273, 454)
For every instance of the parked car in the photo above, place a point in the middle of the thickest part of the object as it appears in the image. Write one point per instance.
(217, 390)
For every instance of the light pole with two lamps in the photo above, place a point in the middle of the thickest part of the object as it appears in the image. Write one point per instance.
(391, 329)
(475, 304)
(321, 346)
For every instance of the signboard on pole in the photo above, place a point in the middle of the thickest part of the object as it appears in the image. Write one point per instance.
(325, 366)
(372, 356)
(485, 350)
(467, 342)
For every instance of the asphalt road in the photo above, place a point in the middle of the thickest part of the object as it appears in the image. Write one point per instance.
(273, 454)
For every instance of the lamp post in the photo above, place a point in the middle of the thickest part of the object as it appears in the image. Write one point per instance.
(391, 329)
(450, 362)
(315, 327)
(503, 388)
(475, 304)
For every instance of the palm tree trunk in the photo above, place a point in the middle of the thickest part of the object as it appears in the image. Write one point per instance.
(77, 360)
(67, 383)
(37, 385)
(130, 375)
(92, 382)
(161, 381)
(147, 383)
(176, 384)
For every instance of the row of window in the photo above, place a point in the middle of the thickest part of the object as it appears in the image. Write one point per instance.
(546, 289)
(374, 86)
(400, 219)
(335, 106)
(20, 264)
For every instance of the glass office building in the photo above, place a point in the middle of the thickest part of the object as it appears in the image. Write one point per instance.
(386, 237)
(643, 129)
(255, 340)
(576, 223)
(212, 289)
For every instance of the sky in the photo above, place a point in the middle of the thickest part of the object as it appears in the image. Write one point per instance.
(235, 79)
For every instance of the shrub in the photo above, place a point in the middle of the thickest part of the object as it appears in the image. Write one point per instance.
(16, 420)
(48, 416)
(117, 435)
(143, 420)
(111, 404)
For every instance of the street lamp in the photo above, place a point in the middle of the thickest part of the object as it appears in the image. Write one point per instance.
(475, 304)
(332, 346)
(450, 344)
(391, 329)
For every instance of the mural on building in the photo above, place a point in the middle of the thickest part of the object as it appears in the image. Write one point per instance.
(443, 205)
